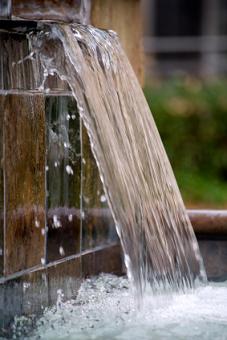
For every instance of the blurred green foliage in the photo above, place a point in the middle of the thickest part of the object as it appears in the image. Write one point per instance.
(192, 120)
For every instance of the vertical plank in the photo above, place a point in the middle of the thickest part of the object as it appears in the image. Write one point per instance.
(98, 225)
(24, 126)
(1, 187)
(124, 17)
(63, 177)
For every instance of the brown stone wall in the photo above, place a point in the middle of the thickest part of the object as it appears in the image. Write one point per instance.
(124, 17)
(67, 10)
(24, 163)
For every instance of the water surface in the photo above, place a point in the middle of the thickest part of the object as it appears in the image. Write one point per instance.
(106, 309)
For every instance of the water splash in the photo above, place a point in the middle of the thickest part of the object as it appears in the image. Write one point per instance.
(105, 308)
(157, 237)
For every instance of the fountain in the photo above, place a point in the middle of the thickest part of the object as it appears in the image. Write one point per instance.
(62, 85)
(55, 226)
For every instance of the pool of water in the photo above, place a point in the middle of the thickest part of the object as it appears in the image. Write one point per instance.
(106, 309)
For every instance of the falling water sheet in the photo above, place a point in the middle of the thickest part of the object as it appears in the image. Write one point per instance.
(155, 232)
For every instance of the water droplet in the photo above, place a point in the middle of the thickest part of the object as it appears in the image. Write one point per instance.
(47, 167)
(43, 231)
(56, 222)
(61, 251)
(82, 215)
(80, 108)
(42, 261)
(103, 198)
(73, 117)
(55, 164)
(69, 170)
(60, 296)
(26, 285)
(86, 199)
(68, 117)
(37, 223)
(70, 218)
(77, 34)
(83, 161)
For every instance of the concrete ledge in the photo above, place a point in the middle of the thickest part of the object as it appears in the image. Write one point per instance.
(209, 221)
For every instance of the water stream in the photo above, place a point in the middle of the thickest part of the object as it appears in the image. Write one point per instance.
(158, 240)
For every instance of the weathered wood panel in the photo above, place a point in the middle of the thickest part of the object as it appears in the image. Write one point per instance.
(24, 163)
(98, 227)
(124, 17)
(63, 174)
(1, 188)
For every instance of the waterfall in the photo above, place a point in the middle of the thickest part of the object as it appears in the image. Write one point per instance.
(159, 244)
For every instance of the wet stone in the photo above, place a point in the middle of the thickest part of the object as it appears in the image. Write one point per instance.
(63, 173)
(68, 10)
(24, 143)
(98, 227)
